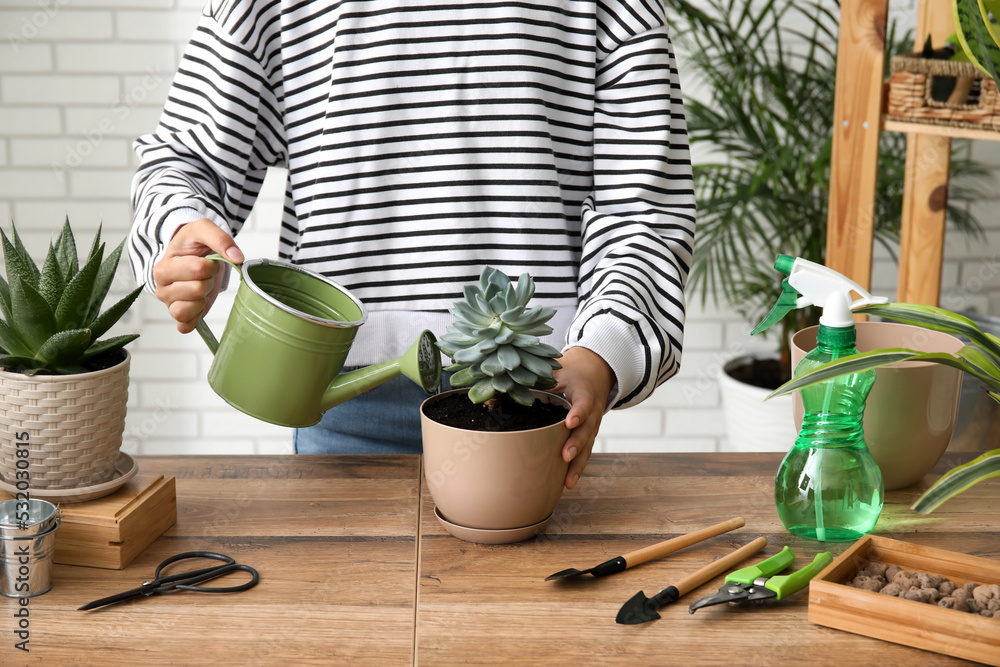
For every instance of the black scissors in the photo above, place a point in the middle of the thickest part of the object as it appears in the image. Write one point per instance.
(184, 581)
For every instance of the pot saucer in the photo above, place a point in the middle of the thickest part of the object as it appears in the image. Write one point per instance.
(125, 469)
(496, 536)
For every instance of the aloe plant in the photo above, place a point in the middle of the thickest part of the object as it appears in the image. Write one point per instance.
(495, 341)
(51, 317)
(979, 358)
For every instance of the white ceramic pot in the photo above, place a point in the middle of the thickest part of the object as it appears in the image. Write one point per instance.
(752, 424)
(494, 480)
(911, 412)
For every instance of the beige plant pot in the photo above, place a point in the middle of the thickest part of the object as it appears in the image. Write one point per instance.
(72, 425)
(494, 481)
(911, 412)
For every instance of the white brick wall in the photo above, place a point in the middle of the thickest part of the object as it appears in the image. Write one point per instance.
(80, 79)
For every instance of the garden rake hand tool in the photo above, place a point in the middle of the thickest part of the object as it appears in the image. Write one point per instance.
(622, 563)
(755, 583)
(640, 609)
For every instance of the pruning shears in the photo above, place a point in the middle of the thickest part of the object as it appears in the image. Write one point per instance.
(757, 584)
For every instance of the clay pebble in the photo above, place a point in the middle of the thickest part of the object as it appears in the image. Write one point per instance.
(983, 599)
(893, 589)
(868, 583)
(874, 569)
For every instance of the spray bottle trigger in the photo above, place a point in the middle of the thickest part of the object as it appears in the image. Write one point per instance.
(868, 300)
(787, 301)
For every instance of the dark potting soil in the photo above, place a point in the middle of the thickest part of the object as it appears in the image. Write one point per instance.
(458, 411)
(763, 373)
(98, 363)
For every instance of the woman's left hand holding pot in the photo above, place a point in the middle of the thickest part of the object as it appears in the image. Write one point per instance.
(586, 380)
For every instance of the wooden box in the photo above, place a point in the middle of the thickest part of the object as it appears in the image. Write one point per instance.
(110, 532)
(922, 625)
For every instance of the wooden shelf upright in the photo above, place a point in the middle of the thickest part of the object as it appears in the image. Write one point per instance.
(859, 110)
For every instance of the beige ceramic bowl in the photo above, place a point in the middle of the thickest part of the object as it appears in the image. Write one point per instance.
(494, 481)
(911, 411)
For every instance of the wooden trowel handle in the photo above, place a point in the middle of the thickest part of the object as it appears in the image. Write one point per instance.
(695, 580)
(676, 544)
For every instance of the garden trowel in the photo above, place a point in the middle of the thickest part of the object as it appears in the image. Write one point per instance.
(640, 609)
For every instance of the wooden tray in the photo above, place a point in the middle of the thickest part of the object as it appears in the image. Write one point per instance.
(922, 625)
(110, 532)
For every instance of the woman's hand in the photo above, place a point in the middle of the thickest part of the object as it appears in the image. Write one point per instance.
(586, 380)
(186, 281)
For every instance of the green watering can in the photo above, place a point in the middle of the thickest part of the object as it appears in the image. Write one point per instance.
(285, 342)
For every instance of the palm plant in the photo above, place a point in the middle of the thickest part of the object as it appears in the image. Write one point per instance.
(765, 120)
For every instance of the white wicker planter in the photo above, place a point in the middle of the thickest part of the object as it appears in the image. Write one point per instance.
(73, 425)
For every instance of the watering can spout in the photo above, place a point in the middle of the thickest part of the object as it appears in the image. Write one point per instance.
(421, 363)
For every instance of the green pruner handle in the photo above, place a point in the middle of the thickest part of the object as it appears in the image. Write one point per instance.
(791, 583)
(766, 568)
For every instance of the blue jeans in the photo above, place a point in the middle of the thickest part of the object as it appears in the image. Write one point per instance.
(385, 420)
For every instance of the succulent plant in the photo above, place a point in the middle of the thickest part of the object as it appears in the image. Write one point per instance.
(495, 341)
(51, 316)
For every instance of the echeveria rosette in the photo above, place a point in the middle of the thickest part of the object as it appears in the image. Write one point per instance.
(495, 341)
(51, 317)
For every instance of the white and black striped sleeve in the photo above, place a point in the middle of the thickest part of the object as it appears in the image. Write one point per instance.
(638, 223)
(219, 131)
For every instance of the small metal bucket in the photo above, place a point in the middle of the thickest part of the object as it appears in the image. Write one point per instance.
(26, 553)
(38, 517)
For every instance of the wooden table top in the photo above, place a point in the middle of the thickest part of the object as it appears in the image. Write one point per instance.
(356, 570)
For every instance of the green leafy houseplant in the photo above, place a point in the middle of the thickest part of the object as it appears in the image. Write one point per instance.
(760, 111)
(495, 341)
(978, 34)
(979, 358)
(51, 317)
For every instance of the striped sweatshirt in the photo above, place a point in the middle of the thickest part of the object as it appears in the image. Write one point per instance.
(425, 139)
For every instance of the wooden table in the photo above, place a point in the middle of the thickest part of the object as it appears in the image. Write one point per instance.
(356, 570)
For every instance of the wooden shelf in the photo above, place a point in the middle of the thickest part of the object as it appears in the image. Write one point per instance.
(859, 118)
(940, 130)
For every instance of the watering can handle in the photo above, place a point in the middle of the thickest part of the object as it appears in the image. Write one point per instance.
(202, 327)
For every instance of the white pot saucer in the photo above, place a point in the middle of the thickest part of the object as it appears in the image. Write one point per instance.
(497, 536)
(125, 469)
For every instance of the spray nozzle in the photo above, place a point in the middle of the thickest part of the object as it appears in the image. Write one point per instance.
(809, 283)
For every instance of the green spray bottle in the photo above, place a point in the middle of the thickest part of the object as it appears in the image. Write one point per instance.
(828, 488)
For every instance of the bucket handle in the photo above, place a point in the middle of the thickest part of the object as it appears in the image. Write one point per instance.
(202, 327)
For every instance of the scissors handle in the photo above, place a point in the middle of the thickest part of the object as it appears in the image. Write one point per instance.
(188, 581)
(160, 584)
(191, 583)
(229, 560)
